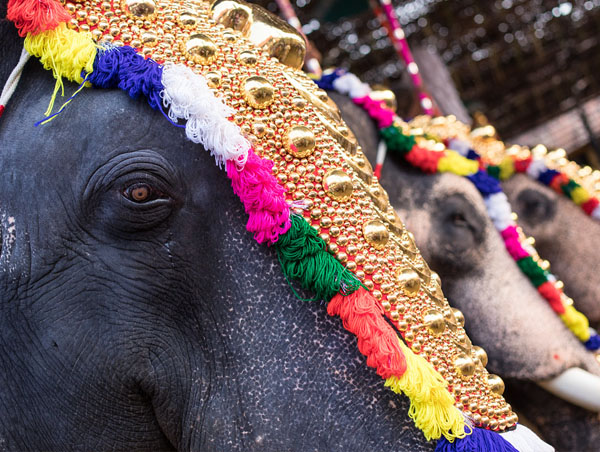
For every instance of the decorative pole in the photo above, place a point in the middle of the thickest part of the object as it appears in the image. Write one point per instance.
(388, 18)
(311, 61)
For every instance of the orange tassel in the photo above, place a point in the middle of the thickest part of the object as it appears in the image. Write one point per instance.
(35, 16)
(377, 340)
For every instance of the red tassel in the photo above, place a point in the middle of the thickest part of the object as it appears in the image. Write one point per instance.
(552, 295)
(424, 159)
(35, 16)
(590, 205)
(558, 181)
(1, 110)
(377, 340)
(522, 165)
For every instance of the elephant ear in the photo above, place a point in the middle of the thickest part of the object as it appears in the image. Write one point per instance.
(11, 45)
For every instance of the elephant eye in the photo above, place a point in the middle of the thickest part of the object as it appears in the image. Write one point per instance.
(141, 192)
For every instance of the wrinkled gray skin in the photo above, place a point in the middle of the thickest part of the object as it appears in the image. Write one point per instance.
(524, 339)
(564, 235)
(163, 325)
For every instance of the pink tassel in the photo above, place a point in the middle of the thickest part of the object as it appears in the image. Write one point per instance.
(263, 198)
(377, 110)
(512, 243)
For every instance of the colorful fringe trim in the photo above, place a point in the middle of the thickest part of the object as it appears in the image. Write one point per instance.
(466, 162)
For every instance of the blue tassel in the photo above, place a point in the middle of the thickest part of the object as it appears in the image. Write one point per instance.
(485, 183)
(124, 68)
(472, 155)
(593, 343)
(326, 80)
(480, 440)
(547, 176)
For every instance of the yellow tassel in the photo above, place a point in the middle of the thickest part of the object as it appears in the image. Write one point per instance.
(507, 168)
(455, 163)
(431, 404)
(66, 52)
(576, 322)
(579, 195)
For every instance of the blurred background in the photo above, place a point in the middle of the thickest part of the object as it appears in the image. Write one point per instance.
(531, 68)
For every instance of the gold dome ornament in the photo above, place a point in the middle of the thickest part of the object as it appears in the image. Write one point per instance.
(496, 384)
(299, 141)
(200, 49)
(376, 233)
(338, 185)
(139, 9)
(409, 281)
(434, 320)
(258, 91)
(465, 365)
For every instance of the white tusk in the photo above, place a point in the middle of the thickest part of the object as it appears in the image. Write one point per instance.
(524, 440)
(577, 386)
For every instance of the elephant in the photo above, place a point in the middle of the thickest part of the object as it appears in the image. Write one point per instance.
(564, 235)
(457, 238)
(138, 309)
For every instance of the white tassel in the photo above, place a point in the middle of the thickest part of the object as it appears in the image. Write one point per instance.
(536, 167)
(13, 79)
(351, 85)
(188, 97)
(596, 213)
(499, 210)
(524, 440)
(460, 146)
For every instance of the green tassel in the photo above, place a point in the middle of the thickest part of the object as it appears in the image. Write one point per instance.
(533, 271)
(396, 141)
(304, 257)
(494, 171)
(569, 187)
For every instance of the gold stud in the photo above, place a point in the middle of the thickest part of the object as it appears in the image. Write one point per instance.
(200, 49)
(376, 233)
(409, 281)
(460, 318)
(435, 321)
(232, 14)
(299, 141)
(139, 9)
(338, 185)
(465, 365)
(481, 355)
(248, 58)
(258, 92)
(188, 20)
(213, 79)
(496, 384)
(298, 103)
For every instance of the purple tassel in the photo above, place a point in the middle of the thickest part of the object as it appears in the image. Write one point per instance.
(472, 155)
(480, 440)
(485, 183)
(124, 68)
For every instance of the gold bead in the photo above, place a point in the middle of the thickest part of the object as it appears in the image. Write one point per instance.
(496, 384)
(248, 58)
(338, 185)
(149, 39)
(258, 92)
(299, 141)
(298, 103)
(139, 8)
(435, 321)
(409, 281)
(213, 79)
(376, 233)
(460, 318)
(481, 355)
(464, 365)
